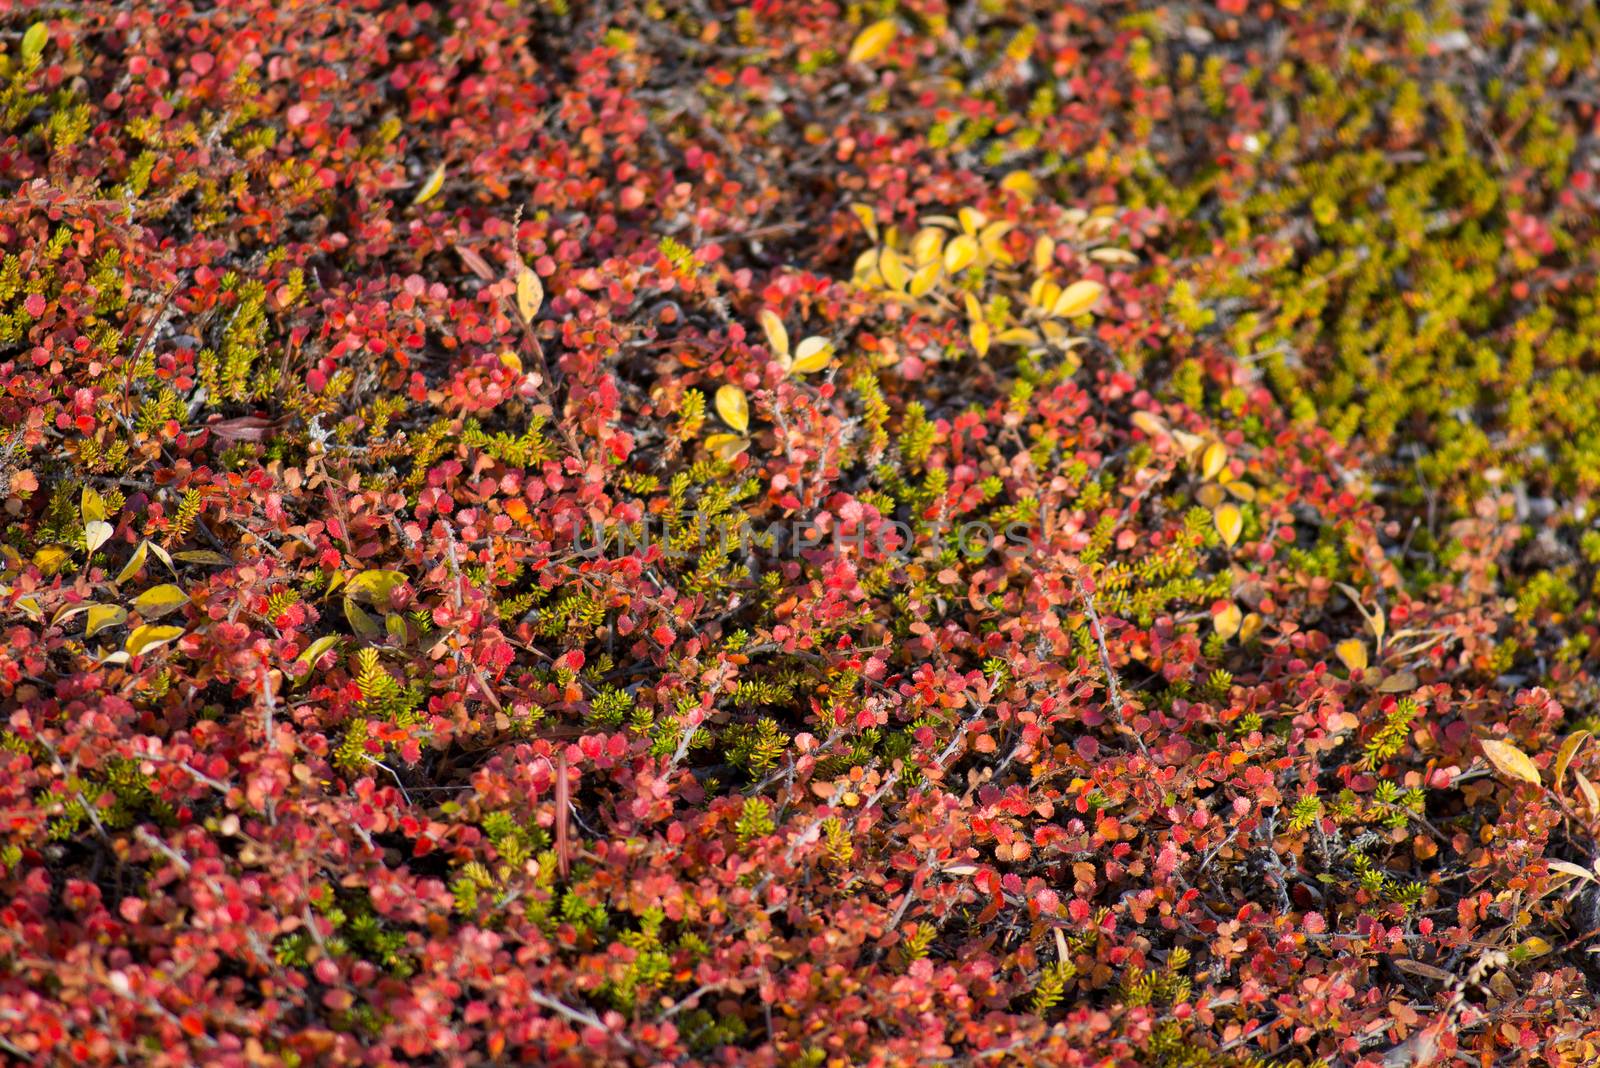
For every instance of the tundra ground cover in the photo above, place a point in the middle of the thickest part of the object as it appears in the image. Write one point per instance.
(798, 534)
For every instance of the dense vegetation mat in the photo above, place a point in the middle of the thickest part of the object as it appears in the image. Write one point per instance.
(790, 535)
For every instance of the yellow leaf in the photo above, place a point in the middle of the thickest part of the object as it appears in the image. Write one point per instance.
(1023, 184)
(1230, 523)
(1043, 293)
(162, 555)
(870, 42)
(1352, 652)
(132, 568)
(1376, 622)
(813, 354)
(31, 608)
(1212, 460)
(1510, 761)
(928, 246)
(989, 239)
(1564, 755)
(395, 625)
(727, 446)
(893, 269)
(92, 506)
(66, 612)
(316, 649)
(102, 616)
(866, 267)
(159, 600)
(1249, 628)
(1189, 443)
(96, 534)
(530, 295)
(1586, 788)
(148, 637)
(1534, 946)
(868, 218)
(1210, 495)
(1077, 299)
(970, 219)
(1227, 621)
(50, 559)
(1018, 335)
(1044, 254)
(733, 407)
(1242, 491)
(1151, 424)
(925, 278)
(978, 334)
(974, 309)
(375, 585)
(431, 187)
(511, 361)
(777, 335)
(960, 252)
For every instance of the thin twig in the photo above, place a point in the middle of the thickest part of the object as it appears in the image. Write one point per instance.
(1113, 689)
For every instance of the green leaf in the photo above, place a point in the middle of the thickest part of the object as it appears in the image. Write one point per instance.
(92, 506)
(375, 586)
(202, 556)
(314, 651)
(362, 623)
(34, 40)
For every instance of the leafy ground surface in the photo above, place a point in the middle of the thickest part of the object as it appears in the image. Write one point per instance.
(682, 533)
